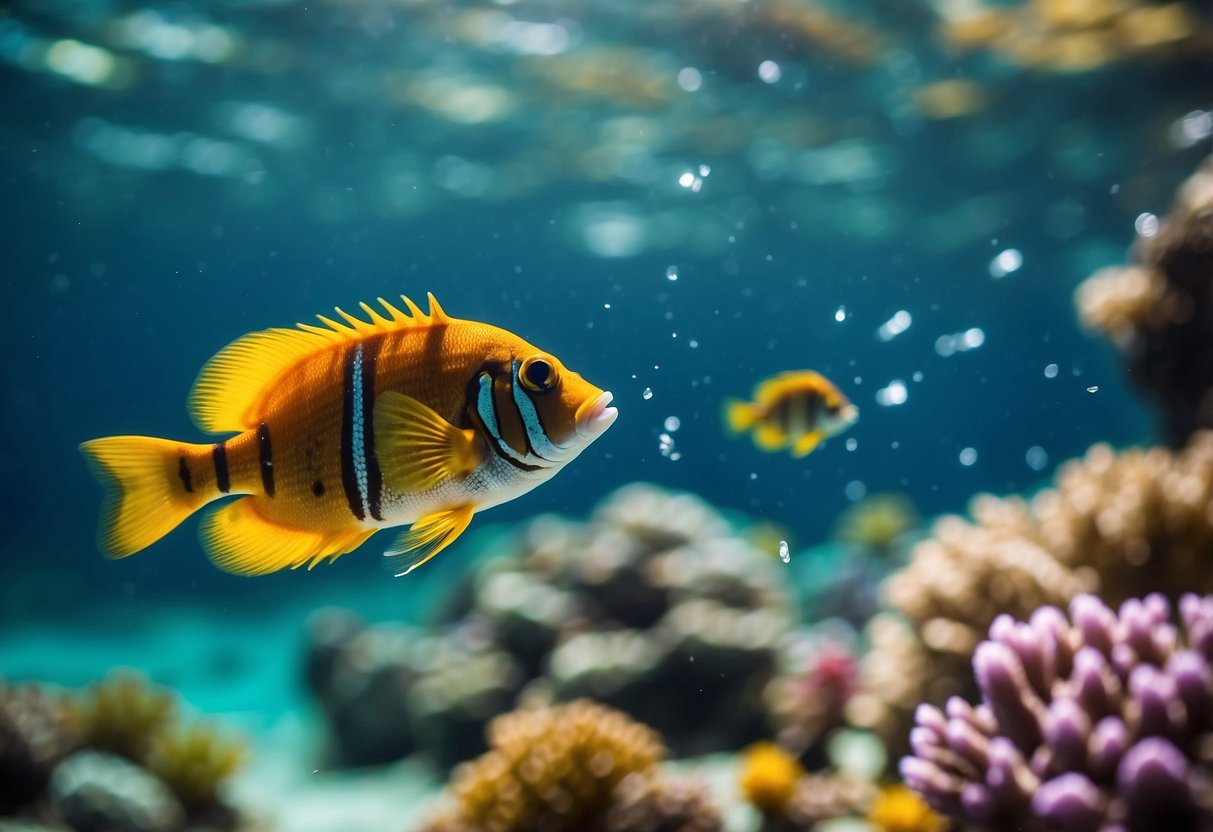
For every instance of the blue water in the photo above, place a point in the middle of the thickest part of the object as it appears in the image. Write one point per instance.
(122, 277)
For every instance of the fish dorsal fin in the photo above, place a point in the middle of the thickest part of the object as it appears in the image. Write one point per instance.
(233, 383)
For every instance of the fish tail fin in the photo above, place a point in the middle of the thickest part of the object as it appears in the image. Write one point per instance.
(739, 416)
(149, 489)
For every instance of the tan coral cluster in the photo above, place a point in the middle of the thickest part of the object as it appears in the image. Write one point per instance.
(1119, 524)
(1158, 310)
(1079, 35)
(580, 766)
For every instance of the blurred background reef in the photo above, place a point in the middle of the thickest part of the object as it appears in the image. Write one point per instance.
(990, 222)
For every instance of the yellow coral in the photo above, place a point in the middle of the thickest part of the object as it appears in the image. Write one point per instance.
(194, 762)
(897, 809)
(769, 776)
(123, 713)
(553, 769)
(877, 522)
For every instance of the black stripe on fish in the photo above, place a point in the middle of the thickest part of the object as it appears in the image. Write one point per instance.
(183, 471)
(219, 457)
(265, 453)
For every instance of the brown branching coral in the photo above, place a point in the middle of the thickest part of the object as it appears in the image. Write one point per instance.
(580, 767)
(1114, 523)
(1158, 311)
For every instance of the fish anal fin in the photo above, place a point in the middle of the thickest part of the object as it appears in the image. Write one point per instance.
(418, 447)
(233, 383)
(427, 537)
(807, 443)
(769, 437)
(239, 539)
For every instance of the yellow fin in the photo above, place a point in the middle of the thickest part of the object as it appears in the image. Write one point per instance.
(805, 444)
(769, 438)
(239, 540)
(427, 537)
(231, 386)
(145, 498)
(739, 416)
(419, 449)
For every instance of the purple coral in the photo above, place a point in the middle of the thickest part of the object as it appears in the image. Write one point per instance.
(1099, 723)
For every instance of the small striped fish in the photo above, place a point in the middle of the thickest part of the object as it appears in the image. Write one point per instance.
(348, 428)
(795, 410)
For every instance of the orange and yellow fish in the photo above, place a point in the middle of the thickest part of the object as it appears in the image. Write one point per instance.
(796, 409)
(348, 428)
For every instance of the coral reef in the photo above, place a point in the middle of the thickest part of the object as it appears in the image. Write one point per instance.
(194, 761)
(115, 757)
(1100, 721)
(122, 714)
(578, 767)
(1158, 311)
(656, 606)
(1114, 523)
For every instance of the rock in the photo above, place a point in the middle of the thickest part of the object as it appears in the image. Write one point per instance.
(95, 792)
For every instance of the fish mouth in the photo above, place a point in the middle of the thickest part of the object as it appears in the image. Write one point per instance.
(850, 414)
(595, 416)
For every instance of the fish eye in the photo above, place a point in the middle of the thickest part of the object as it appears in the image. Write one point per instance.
(538, 374)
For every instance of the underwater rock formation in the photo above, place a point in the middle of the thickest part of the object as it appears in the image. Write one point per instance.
(1158, 311)
(656, 606)
(1119, 524)
(1099, 721)
(94, 791)
(115, 757)
(35, 735)
(579, 767)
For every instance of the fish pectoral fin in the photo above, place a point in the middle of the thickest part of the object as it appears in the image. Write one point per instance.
(805, 444)
(769, 437)
(427, 537)
(238, 539)
(418, 448)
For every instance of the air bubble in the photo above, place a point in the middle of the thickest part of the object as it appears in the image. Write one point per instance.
(647, 394)
(672, 423)
(968, 456)
(1051, 371)
(784, 554)
(1036, 458)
